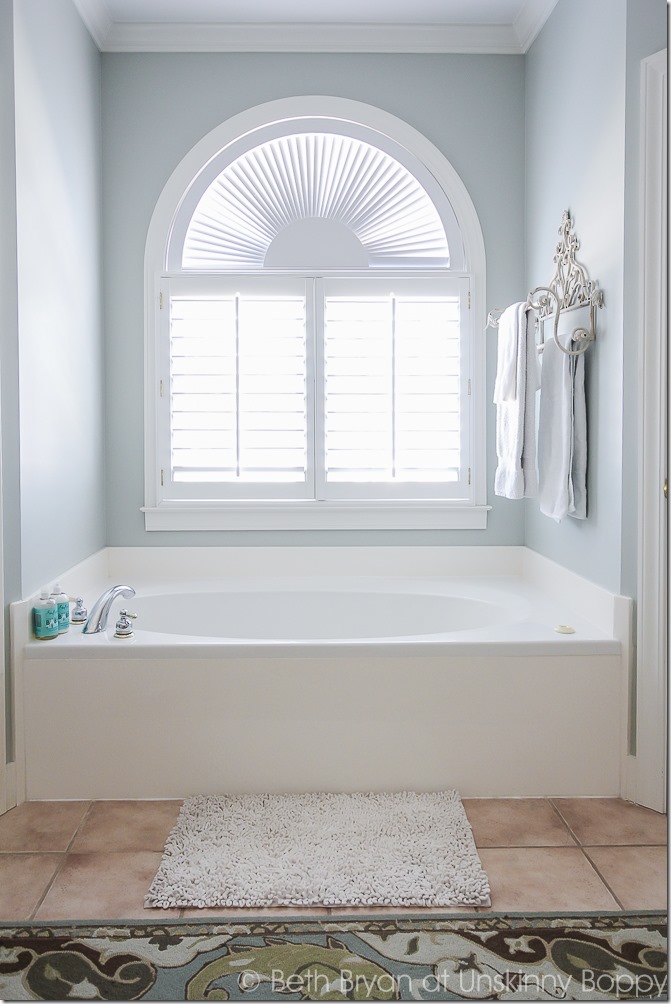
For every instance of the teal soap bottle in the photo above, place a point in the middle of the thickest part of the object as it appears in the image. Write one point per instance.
(45, 617)
(62, 601)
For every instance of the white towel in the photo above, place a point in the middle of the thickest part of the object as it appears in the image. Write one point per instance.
(562, 435)
(505, 385)
(514, 395)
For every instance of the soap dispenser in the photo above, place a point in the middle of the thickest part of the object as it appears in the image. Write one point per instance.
(62, 601)
(45, 617)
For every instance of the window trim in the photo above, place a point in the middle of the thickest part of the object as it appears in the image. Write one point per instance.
(301, 515)
(308, 514)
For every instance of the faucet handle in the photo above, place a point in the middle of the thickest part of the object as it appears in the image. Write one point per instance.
(124, 628)
(80, 613)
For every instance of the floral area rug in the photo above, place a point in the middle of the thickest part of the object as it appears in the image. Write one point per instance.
(511, 957)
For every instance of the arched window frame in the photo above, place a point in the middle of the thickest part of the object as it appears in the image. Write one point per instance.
(177, 200)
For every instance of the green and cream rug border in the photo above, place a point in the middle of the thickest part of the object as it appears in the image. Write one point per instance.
(607, 956)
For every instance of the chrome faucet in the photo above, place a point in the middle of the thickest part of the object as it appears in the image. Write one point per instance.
(100, 611)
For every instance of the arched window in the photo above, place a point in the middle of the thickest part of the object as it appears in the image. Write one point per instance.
(311, 357)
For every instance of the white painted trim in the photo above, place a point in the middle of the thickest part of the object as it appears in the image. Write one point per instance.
(623, 631)
(428, 38)
(315, 516)
(652, 628)
(96, 17)
(6, 799)
(530, 19)
(19, 621)
(10, 782)
(162, 221)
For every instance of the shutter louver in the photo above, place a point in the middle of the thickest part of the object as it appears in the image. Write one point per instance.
(238, 389)
(392, 389)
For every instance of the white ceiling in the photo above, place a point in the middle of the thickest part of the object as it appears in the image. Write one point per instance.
(317, 11)
(315, 25)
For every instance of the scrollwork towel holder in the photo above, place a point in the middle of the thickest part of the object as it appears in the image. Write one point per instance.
(569, 288)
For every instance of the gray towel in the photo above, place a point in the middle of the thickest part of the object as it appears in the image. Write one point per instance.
(562, 435)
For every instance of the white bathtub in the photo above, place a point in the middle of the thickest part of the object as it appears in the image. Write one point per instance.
(321, 610)
(259, 681)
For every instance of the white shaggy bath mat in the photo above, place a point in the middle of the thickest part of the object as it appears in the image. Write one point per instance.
(401, 849)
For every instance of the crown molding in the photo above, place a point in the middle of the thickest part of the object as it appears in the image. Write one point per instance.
(434, 38)
(95, 15)
(530, 20)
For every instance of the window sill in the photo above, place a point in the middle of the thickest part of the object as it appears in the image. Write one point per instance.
(316, 516)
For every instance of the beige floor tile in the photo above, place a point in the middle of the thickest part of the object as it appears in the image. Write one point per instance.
(23, 880)
(516, 822)
(525, 849)
(41, 826)
(101, 886)
(127, 826)
(612, 821)
(544, 878)
(637, 875)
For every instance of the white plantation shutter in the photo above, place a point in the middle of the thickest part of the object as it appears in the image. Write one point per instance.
(395, 371)
(238, 370)
(383, 415)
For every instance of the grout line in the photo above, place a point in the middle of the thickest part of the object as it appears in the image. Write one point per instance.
(49, 885)
(602, 879)
(512, 847)
(81, 823)
(652, 843)
(565, 822)
(64, 857)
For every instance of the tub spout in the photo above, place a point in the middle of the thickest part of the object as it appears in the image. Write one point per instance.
(100, 611)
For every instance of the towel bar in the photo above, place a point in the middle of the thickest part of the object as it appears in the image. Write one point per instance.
(569, 288)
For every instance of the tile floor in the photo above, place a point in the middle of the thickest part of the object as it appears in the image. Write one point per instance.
(95, 860)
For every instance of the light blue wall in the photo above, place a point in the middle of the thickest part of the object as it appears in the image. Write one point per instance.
(58, 368)
(157, 106)
(530, 136)
(582, 112)
(575, 111)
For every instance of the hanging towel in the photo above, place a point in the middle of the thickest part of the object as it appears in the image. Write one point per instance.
(577, 503)
(562, 435)
(517, 380)
(505, 385)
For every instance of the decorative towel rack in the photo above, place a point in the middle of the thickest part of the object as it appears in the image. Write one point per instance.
(569, 288)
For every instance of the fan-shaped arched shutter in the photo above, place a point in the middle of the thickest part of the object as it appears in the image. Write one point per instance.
(313, 199)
